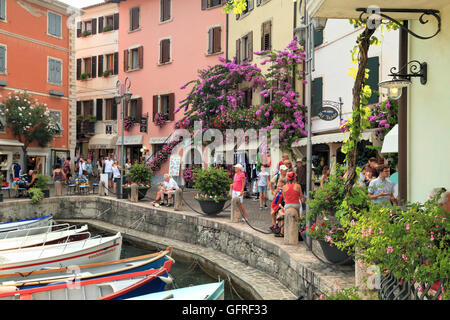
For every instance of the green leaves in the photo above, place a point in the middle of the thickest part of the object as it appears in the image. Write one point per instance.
(212, 181)
(140, 173)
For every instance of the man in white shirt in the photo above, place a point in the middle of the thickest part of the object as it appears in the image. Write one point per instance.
(381, 189)
(168, 186)
(108, 163)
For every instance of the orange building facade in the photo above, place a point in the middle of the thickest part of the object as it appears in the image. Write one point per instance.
(36, 56)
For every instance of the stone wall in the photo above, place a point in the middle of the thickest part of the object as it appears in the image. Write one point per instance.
(296, 270)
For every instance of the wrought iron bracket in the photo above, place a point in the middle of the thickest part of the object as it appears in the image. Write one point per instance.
(424, 12)
(416, 69)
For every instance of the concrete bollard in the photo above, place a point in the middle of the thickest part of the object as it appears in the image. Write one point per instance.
(290, 226)
(101, 188)
(235, 210)
(134, 192)
(58, 188)
(178, 200)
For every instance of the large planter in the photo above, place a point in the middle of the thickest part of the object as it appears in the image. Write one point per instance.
(211, 207)
(333, 254)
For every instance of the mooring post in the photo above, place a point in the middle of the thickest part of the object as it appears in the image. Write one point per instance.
(290, 226)
(58, 188)
(178, 200)
(134, 192)
(101, 188)
(235, 210)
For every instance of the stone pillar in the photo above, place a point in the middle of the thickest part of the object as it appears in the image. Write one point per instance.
(134, 192)
(290, 226)
(101, 188)
(178, 200)
(58, 188)
(235, 210)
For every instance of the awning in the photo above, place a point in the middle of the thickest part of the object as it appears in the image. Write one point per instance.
(339, 9)
(390, 142)
(332, 138)
(10, 143)
(103, 141)
(130, 140)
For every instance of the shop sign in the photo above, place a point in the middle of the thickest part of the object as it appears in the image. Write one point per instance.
(330, 110)
(143, 123)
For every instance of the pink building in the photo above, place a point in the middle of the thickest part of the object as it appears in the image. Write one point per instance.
(162, 45)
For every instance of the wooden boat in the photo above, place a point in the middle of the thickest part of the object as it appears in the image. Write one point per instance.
(91, 250)
(52, 237)
(209, 291)
(115, 287)
(19, 228)
(89, 271)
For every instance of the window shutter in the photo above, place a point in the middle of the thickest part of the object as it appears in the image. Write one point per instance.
(94, 26)
(125, 60)
(266, 36)
(165, 10)
(94, 67)
(141, 57)
(165, 50)
(316, 98)
(134, 18)
(217, 39)
(114, 110)
(2, 9)
(155, 106)
(210, 40)
(139, 109)
(250, 4)
(100, 65)
(172, 106)
(2, 59)
(116, 63)
(204, 4)
(78, 107)
(79, 24)
(250, 46)
(100, 24)
(79, 61)
(373, 64)
(116, 21)
(99, 111)
(238, 51)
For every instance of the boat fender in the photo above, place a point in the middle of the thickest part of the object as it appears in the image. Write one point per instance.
(166, 280)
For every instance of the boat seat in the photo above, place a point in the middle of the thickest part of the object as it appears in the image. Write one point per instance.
(106, 288)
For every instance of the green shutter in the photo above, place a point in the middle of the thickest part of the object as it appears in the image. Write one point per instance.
(373, 64)
(316, 98)
(2, 59)
(2, 9)
(318, 38)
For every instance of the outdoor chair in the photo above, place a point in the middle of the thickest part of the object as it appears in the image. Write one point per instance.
(9, 190)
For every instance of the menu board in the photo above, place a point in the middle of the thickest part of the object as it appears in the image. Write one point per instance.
(174, 165)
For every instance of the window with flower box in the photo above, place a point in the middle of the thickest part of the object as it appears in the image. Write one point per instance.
(164, 104)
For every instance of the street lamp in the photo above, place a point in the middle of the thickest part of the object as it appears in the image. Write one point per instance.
(123, 96)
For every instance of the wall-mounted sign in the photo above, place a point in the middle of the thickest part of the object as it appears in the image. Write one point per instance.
(331, 110)
(143, 123)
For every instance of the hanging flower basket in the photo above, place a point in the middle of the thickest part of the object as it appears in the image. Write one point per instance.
(161, 119)
(128, 124)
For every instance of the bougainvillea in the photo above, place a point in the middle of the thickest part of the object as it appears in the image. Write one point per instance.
(162, 155)
(221, 97)
(382, 116)
(161, 119)
(128, 124)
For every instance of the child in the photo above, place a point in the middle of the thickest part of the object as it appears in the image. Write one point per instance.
(263, 181)
(276, 202)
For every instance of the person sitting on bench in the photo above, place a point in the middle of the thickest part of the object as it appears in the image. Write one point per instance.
(168, 186)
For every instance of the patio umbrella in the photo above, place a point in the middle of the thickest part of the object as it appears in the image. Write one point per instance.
(390, 143)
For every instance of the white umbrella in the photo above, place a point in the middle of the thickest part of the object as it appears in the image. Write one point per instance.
(390, 143)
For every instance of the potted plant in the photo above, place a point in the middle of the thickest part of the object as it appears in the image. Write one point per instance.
(331, 211)
(107, 28)
(161, 118)
(85, 76)
(107, 73)
(41, 183)
(141, 175)
(86, 33)
(212, 185)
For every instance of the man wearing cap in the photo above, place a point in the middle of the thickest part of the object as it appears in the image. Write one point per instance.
(237, 188)
(281, 174)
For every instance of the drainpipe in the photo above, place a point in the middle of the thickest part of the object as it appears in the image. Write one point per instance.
(403, 121)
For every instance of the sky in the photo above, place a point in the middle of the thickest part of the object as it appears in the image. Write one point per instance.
(81, 3)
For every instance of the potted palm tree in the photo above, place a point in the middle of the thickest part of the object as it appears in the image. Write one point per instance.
(212, 185)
